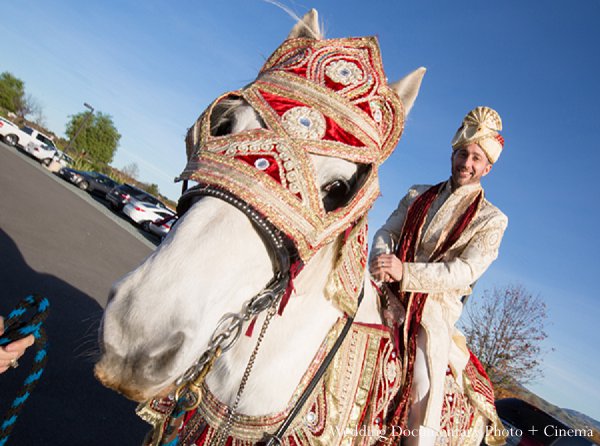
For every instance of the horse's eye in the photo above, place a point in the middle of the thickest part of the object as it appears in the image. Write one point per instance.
(223, 128)
(336, 193)
(336, 188)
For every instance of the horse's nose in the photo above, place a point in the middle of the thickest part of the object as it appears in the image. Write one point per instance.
(140, 369)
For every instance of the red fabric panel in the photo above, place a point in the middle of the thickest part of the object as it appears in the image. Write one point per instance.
(300, 71)
(415, 218)
(272, 170)
(478, 365)
(294, 271)
(364, 106)
(333, 85)
(280, 104)
(335, 133)
(458, 228)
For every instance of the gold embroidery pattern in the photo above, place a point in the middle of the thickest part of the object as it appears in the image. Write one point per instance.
(344, 72)
(457, 415)
(304, 122)
(322, 97)
(481, 395)
(347, 277)
(346, 407)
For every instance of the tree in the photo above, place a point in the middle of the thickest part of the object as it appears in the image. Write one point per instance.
(152, 189)
(505, 330)
(12, 92)
(97, 137)
(14, 99)
(131, 170)
(31, 107)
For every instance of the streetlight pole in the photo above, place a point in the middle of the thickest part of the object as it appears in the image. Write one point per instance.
(82, 125)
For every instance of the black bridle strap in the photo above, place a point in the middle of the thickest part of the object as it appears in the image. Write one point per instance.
(274, 240)
(277, 437)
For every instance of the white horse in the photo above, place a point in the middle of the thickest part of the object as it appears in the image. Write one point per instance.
(161, 316)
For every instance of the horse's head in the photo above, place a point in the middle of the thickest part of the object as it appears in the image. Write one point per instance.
(300, 146)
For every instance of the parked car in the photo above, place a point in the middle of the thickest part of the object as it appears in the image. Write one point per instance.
(8, 131)
(92, 182)
(123, 194)
(144, 213)
(29, 139)
(63, 159)
(43, 153)
(33, 142)
(162, 227)
(526, 425)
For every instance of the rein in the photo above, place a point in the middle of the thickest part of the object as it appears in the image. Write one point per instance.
(17, 327)
(277, 437)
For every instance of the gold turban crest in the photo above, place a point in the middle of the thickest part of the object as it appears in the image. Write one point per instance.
(481, 126)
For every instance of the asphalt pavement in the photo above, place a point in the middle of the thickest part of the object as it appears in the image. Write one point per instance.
(58, 241)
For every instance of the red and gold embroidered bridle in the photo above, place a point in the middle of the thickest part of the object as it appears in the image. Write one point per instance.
(315, 97)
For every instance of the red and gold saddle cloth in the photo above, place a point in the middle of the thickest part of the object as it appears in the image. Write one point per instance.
(347, 406)
(470, 411)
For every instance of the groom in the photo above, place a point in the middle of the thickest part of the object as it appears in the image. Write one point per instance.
(431, 250)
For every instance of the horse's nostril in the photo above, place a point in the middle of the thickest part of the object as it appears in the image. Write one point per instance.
(162, 363)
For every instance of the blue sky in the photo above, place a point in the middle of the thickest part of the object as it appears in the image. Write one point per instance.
(155, 65)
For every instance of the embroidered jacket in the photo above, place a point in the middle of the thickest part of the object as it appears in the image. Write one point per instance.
(445, 281)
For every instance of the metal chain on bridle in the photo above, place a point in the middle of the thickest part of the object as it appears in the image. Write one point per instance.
(17, 327)
(223, 434)
(188, 395)
(229, 329)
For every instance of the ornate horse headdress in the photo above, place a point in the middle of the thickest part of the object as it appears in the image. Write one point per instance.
(322, 97)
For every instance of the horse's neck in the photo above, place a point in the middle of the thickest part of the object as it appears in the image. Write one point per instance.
(289, 346)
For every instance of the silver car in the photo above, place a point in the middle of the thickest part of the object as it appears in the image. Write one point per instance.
(162, 227)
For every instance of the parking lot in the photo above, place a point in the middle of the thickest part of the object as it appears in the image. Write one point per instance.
(60, 242)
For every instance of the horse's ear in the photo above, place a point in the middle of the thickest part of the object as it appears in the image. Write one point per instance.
(408, 88)
(308, 27)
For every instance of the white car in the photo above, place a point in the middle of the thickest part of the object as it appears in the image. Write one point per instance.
(63, 159)
(8, 131)
(162, 227)
(44, 153)
(30, 138)
(144, 213)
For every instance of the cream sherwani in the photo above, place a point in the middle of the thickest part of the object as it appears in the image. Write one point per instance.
(448, 280)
